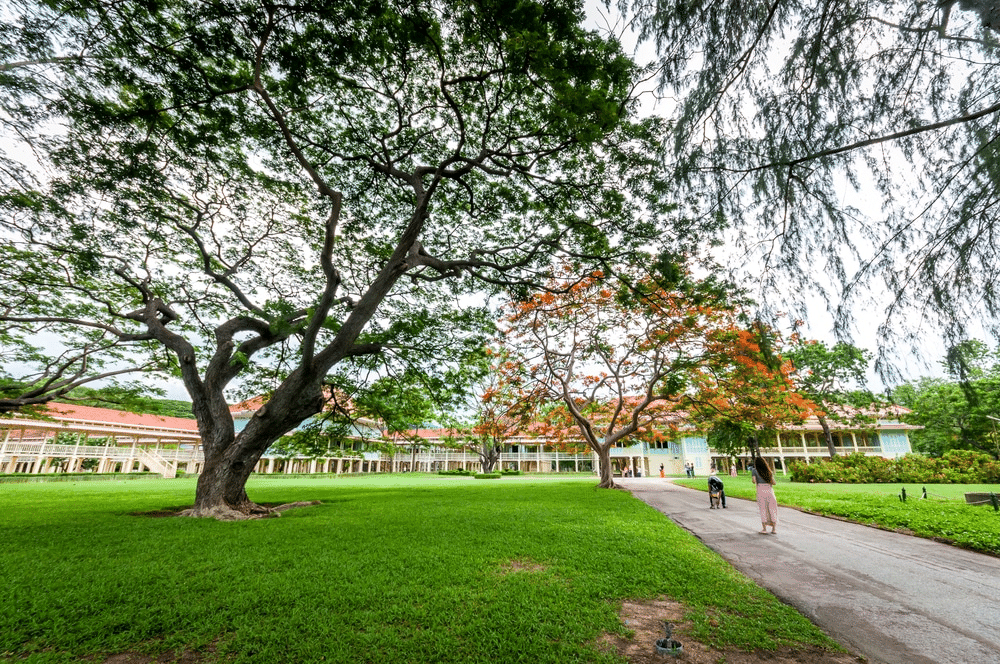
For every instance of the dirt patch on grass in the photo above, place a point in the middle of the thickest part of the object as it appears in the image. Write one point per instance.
(185, 656)
(646, 620)
(521, 565)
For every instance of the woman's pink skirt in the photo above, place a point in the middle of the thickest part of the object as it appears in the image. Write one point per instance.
(768, 504)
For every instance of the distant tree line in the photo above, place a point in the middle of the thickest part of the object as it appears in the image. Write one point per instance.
(112, 397)
(960, 411)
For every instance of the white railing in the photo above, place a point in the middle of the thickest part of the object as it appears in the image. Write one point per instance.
(67, 424)
(21, 449)
(818, 450)
(518, 457)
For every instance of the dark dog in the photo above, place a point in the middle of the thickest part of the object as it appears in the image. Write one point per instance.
(716, 492)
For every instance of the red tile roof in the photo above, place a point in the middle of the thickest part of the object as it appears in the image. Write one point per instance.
(109, 415)
(248, 406)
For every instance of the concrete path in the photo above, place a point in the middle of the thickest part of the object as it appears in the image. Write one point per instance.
(892, 598)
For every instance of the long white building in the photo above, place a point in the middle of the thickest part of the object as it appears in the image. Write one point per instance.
(888, 438)
(86, 439)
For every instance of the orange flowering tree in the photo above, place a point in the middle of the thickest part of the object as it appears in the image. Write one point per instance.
(605, 361)
(749, 392)
(499, 413)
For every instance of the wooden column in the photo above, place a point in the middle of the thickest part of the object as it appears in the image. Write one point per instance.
(3, 450)
(38, 459)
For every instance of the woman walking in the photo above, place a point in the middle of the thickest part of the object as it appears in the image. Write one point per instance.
(766, 502)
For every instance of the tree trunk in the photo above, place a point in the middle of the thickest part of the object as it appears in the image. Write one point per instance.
(606, 470)
(221, 492)
(489, 455)
(829, 436)
(230, 458)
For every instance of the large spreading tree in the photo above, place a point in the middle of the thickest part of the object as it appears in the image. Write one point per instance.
(293, 196)
(852, 143)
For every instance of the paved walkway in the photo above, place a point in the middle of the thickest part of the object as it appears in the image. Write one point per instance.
(892, 598)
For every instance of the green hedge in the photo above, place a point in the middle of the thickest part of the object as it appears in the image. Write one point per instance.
(23, 478)
(458, 471)
(511, 472)
(954, 467)
(488, 476)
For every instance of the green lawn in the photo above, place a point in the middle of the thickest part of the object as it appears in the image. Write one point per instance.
(943, 515)
(386, 569)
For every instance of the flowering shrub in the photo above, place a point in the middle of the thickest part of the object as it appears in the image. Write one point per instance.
(954, 467)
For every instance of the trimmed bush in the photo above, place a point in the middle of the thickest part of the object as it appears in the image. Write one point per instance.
(457, 471)
(488, 476)
(23, 478)
(511, 472)
(954, 467)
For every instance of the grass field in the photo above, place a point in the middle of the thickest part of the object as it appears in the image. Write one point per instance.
(386, 569)
(943, 515)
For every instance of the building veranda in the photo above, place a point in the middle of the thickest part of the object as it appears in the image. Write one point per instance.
(73, 439)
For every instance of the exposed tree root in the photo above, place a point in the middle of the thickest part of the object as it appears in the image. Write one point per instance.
(245, 512)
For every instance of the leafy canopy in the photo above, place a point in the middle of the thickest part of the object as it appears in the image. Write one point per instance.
(748, 395)
(259, 188)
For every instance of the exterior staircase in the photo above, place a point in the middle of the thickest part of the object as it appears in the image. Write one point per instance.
(156, 463)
